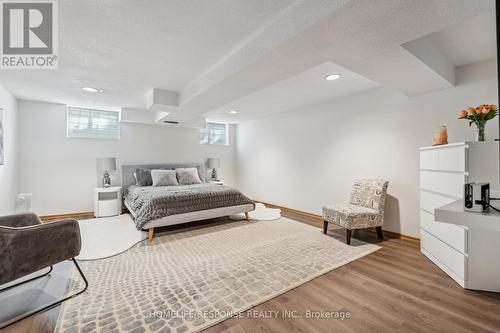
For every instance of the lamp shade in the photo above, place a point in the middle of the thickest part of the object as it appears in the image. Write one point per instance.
(106, 164)
(213, 163)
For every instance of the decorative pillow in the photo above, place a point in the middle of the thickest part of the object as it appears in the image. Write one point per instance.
(143, 177)
(188, 176)
(164, 178)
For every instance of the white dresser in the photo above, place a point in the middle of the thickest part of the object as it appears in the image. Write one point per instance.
(443, 172)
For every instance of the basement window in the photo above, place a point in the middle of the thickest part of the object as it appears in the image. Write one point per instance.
(93, 124)
(214, 134)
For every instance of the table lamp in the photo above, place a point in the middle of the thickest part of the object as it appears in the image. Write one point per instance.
(214, 163)
(104, 166)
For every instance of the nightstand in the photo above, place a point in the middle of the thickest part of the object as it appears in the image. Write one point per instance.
(107, 201)
(217, 182)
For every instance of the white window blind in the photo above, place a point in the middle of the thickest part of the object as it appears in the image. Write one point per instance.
(214, 134)
(93, 124)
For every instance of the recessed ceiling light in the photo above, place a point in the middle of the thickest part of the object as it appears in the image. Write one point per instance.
(332, 77)
(233, 112)
(91, 89)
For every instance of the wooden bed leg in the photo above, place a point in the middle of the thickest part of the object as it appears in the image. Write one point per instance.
(247, 216)
(151, 234)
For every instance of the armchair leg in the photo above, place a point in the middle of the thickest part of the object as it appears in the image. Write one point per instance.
(247, 216)
(348, 233)
(380, 235)
(325, 227)
(151, 233)
(46, 307)
(22, 282)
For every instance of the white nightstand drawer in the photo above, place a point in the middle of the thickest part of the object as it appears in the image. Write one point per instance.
(108, 196)
(451, 258)
(108, 208)
(442, 182)
(453, 235)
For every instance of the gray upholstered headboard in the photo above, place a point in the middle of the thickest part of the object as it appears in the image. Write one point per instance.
(128, 178)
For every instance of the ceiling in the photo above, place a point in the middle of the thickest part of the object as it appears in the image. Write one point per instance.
(127, 47)
(468, 42)
(306, 88)
(259, 56)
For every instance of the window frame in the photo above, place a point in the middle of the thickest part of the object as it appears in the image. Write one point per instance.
(226, 134)
(115, 136)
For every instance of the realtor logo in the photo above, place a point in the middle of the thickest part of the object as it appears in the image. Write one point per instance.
(29, 34)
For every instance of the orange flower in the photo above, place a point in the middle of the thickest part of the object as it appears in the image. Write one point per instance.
(462, 114)
(471, 111)
(486, 109)
(493, 107)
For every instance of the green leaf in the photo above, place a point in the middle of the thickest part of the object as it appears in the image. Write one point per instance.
(491, 115)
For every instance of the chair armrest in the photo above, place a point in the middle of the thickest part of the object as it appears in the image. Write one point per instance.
(28, 249)
(19, 220)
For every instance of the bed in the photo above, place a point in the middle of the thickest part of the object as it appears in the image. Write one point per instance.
(157, 206)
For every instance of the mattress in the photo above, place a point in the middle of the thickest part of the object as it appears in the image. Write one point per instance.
(148, 203)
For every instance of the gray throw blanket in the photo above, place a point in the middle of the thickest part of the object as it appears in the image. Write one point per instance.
(150, 203)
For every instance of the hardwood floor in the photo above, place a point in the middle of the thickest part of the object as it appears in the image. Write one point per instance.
(395, 289)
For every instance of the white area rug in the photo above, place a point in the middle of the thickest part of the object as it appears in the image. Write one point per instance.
(108, 236)
(261, 213)
(187, 280)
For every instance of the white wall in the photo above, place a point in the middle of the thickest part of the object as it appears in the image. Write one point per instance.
(9, 171)
(308, 158)
(61, 172)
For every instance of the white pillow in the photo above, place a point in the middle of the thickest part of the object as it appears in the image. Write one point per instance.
(188, 176)
(164, 178)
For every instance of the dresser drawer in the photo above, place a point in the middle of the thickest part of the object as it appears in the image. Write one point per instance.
(429, 159)
(453, 235)
(444, 159)
(452, 259)
(430, 201)
(443, 182)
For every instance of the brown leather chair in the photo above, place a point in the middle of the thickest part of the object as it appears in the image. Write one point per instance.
(27, 245)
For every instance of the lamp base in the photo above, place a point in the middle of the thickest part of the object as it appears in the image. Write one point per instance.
(214, 174)
(106, 179)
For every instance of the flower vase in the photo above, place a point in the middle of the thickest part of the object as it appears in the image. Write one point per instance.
(480, 133)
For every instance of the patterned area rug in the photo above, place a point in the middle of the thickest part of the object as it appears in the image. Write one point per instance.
(188, 280)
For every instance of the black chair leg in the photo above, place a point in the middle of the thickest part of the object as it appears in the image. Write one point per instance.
(325, 227)
(22, 282)
(380, 235)
(348, 233)
(46, 307)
